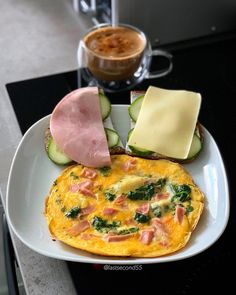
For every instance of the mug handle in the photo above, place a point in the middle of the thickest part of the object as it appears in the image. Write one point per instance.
(160, 73)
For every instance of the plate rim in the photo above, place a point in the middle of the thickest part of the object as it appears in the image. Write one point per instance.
(118, 260)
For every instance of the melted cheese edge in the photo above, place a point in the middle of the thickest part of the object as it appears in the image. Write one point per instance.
(166, 122)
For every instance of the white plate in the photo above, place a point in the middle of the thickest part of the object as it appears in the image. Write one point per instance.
(32, 175)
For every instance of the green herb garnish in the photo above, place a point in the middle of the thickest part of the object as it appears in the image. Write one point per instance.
(102, 225)
(63, 209)
(73, 213)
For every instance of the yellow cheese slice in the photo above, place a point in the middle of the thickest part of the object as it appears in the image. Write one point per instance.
(166, 122)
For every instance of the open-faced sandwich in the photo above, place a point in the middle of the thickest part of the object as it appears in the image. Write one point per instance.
(123, 205)
(81, 130)
(164, 125)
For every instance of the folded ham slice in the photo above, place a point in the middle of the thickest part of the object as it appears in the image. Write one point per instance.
(77, 128)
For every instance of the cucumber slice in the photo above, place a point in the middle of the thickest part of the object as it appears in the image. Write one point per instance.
(112, 137)
(105, 106)
(138, 151)
(55, 154)
(135, 107)
(195, 148)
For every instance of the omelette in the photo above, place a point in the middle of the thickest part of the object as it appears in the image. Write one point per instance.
(136, 207)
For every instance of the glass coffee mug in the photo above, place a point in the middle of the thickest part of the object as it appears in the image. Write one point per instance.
(118, 58)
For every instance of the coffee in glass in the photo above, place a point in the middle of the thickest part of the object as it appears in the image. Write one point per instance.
(114, 53)
(117, 58)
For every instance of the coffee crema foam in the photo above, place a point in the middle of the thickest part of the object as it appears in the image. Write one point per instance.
(115, 42)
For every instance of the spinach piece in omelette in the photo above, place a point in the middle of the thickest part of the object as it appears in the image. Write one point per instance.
(146, 192)
(73, 213)
(157, 211)
(189, 209)
(109, 196)
(160, 183)
(141, 218)
(58, 200)
(74, 175)
(103, 226)
(105, 171)
(128, 231)
(181, 193)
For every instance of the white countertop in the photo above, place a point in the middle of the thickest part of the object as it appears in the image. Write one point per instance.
(38, 38)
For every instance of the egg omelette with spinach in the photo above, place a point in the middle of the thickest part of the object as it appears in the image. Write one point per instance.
(137, 207)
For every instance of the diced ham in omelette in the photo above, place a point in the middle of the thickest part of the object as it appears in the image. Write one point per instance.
(77, 128)
(160, 196)
(82, 185)
(87, 210)
(147, 236)
(88, 173)
(78, 227)
(84, 188)
(118, 238)
(109, 211)
(129, 165)
(86, 237)
(179, 214)
(159, 226)
(120, 200)
(143, 209)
